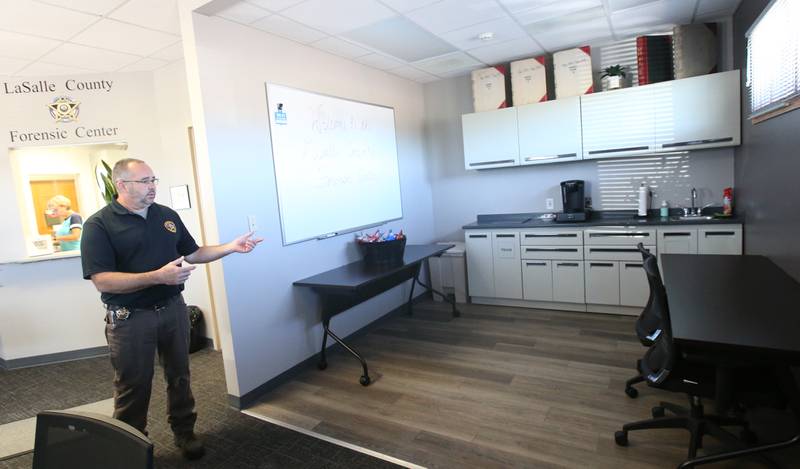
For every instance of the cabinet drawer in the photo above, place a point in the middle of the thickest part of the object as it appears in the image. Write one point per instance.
(621, 235)
(552, 252)
(552, 237)
(677, 240)
(537, 280)
(602, 283)
(720, 240)
(568, 282)
(633, 287)
(615, 253)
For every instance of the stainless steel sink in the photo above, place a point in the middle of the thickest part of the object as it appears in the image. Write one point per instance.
(692, 217)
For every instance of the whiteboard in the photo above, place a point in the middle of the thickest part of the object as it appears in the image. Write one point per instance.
(335, 163)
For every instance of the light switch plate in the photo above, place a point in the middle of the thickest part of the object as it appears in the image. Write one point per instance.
(251, 223)
(548, 202)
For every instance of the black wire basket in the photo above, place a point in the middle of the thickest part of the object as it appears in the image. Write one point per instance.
(384, 253)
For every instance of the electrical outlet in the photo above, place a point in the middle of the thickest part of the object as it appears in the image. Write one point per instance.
(548, 202)
(251, 223)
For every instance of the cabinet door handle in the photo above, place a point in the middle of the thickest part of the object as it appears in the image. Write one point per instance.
(486, 163)
(536, 263)
(697, 142)
(675, 234)
(477, 236)
(500, 235)
(558, 235)
(601, 264)
(613, 150)
(551, 249)
(637, 234)
(567, 264)
(719, 233)
(633, 265)
(506, 249)
(551, 157)
(613, 250)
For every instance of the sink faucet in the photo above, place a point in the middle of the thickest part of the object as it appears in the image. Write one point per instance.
(695, 211)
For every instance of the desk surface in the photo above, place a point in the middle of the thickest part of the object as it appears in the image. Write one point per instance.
(732, 302)
(358, 274)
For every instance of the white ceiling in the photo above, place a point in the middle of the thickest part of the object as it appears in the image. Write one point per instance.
(422, 40)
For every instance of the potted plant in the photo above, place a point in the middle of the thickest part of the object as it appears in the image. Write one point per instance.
(613, 75)
(104, 182)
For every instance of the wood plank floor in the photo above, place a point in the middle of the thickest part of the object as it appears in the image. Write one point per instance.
(496, 388)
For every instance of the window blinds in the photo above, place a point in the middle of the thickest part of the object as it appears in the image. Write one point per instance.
(773, 42)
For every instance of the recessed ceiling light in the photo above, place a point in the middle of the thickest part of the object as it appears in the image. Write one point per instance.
(487, 36)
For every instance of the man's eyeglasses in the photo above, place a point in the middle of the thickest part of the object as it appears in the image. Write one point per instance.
(145, 181)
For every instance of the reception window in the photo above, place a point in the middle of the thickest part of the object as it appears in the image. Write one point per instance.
(58, 188)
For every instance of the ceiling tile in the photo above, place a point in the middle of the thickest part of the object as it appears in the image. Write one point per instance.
(337, 17)
(38, 69)
(658, 15)
(340, 47)
(274, 5)
(10, 65)
(96, 7)
(414, 74)
(570, 11)
(616, 5)
(519, 5)
(523, 47)
(717, 6)
(404, 6)
(145, 65)
(171, 53)
(448, 64)
(570, 35)
(287, 28)
(379, 61)
(38, 19)
(155, 14)
(449, 15)
(90, 58)
(123, 37)
(504, 29)
(22, 46)
(242, 12)
(401, 38)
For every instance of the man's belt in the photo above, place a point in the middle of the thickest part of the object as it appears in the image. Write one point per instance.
(123, 312)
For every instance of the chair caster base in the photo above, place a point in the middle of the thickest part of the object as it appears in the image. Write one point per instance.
(364, 380)
(657, 411)
(322, 365)
(621, 438)
(631, 392)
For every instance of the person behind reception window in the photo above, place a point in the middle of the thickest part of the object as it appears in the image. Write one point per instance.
(137, 253)
(68, 233)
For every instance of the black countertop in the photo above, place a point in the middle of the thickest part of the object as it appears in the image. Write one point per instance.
(599, 218)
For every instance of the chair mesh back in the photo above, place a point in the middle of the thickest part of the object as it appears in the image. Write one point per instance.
(660, 357)
(648, 324)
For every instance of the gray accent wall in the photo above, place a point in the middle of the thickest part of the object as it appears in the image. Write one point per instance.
(459, 195)
(767, 167)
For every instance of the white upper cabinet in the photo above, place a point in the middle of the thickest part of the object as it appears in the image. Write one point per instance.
(491, 139)
(618, 123)
(697, 112)
(550, 131)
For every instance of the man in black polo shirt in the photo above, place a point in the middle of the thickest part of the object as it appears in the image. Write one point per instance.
(134, 250)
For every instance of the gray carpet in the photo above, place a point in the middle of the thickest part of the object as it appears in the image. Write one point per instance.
(233, 440)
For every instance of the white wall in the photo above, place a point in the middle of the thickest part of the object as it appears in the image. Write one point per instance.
(460, 195)
(46, 306)
(270, 326)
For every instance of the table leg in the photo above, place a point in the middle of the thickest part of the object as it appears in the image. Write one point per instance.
(323, 363)
(410, 303)
(365, 379)
(446, 298)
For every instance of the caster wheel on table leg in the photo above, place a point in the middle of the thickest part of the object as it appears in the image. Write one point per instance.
(322, 365)
(621, 438)
(364, 380)
(657, 411)
(631, 392)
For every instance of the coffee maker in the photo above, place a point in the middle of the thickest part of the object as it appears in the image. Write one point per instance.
(573, 201)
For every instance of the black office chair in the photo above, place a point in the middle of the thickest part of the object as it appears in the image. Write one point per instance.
(648, 325)
(663, 367)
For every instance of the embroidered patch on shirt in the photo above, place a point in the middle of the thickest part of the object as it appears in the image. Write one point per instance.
(170, 226)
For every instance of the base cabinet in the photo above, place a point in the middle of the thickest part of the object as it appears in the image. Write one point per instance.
(480, 263)
(633, 287)
(720, 240)
(602, 282)
(568, 282)
(537, 280)
(507, 271)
